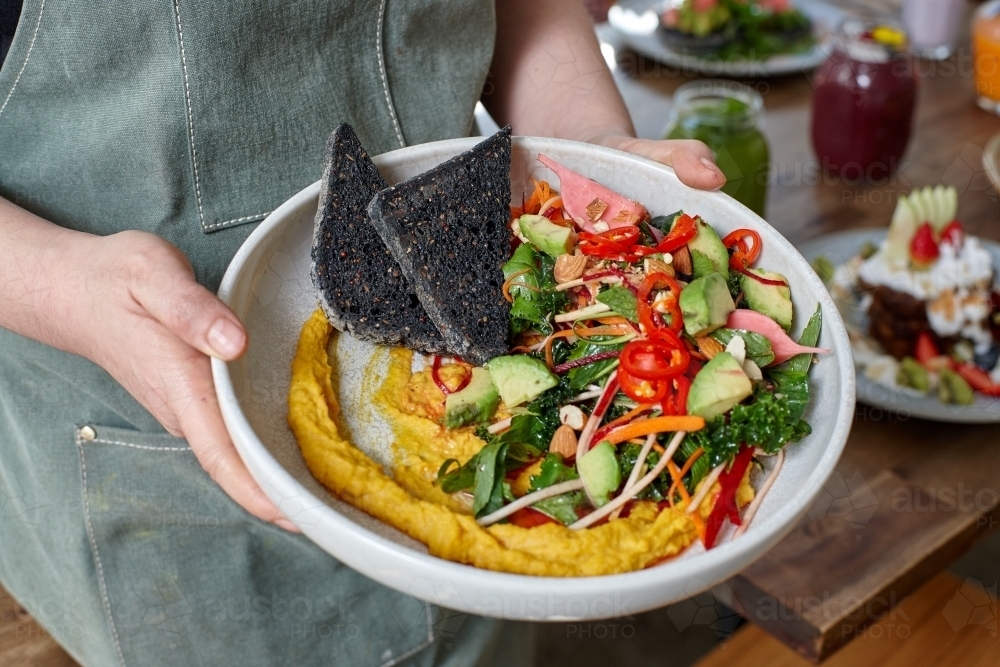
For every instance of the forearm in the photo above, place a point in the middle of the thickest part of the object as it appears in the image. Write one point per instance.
(37, 278)
(548, 76)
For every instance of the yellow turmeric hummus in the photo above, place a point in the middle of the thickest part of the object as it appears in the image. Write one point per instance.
(409, 501)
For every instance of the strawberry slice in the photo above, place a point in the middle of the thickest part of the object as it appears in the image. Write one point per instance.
(978, 379)
(953, 233)
(925, 349)
(928, 354)
(923, 248)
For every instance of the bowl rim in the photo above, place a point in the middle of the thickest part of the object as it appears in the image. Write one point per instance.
(752, 542)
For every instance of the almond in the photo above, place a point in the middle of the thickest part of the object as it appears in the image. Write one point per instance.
(564, 441)
(569, 267)
(709, 346)
(654, 265)
(682, 260)
(596, 209)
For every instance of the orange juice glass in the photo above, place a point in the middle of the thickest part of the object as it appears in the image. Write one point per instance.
(986, 55)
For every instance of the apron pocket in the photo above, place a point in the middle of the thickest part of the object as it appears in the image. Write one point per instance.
(188, 577)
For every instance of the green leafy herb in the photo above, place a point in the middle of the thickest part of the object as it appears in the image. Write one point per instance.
(701, 265)
(793, 388)
(758, 347)
(809, 338)
(534, 294)
(487, 478)
(555, 471)
(581, 376)
(665, 222)
(622, 301)
(628, 456)
(699, 468)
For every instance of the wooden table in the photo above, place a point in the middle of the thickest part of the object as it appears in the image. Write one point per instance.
(908, 496)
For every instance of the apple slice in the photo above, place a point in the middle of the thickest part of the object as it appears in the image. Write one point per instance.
(901, 230)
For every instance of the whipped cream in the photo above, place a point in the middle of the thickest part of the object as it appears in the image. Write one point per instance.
(969, 267)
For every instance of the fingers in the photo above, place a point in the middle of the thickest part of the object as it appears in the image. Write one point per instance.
(162, 283)
(695, 165)
(197, 409)
(692, 160)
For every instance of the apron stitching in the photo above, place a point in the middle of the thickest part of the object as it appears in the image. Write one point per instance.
(135, 446)
(27, 57)
(190, 113)
(379, 47)
(97, 557)
(421, 647)
(236, 220)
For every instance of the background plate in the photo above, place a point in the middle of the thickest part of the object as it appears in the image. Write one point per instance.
(839, 248)
(267, 285)
(636, 22)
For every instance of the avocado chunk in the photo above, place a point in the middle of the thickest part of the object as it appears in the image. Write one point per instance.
(952, 388)
(775, 301)
(913, 375)
(706, 304)
(476, 403)
(520, 378)
(600, 473)
(550, 238)
(714, 256)
(718, 386)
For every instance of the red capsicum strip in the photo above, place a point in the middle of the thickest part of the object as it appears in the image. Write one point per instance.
(743, 255)
(647, 317)
(725, 505)
(682, 231)
(436, 376)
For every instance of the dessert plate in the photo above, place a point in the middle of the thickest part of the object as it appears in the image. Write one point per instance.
(839, 248)
(267, 285)
(636, 22)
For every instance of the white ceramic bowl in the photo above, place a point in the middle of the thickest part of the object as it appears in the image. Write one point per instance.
(267, 285)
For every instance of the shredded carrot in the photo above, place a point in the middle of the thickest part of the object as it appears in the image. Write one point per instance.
(541, 194)
(553, 202)
(586, 331)
(659, 448)
(510, 281)
(684, 470)
(612, 320)
(628, 416)
(565, 333)
(698, 523)
(655, 425)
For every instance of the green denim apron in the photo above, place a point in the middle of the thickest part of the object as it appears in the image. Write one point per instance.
(194, 120)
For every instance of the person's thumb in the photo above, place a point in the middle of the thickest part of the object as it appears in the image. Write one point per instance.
(167, 290)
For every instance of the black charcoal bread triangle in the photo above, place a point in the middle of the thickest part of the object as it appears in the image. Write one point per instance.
(360, 285)
(447, 228)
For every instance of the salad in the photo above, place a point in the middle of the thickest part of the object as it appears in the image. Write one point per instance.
(929, 297)
(751, 29)
(650, 361)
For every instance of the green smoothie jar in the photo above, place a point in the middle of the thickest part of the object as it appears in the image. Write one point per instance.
(726, 115)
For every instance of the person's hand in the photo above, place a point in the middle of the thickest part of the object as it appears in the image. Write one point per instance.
(691, 159)
(153, 328)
